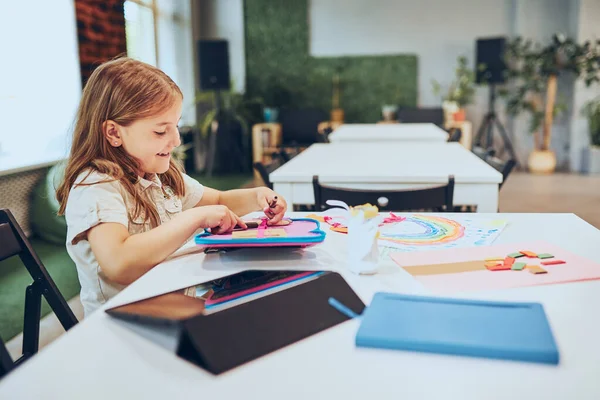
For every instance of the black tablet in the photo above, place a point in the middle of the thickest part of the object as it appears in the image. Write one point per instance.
(228, 321)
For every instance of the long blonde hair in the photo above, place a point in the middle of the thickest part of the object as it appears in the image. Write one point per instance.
(122, 90)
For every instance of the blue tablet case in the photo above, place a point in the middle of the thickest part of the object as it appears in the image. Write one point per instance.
(501, 330)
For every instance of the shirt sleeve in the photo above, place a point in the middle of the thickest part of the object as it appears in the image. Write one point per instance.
(193, 192)
(92, 204)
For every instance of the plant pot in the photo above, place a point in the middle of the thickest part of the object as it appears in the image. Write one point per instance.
(591, 160)
(389, 112)
(270, 114)
(542, 162)
(449, 107)
(337, 115)
(460, 115)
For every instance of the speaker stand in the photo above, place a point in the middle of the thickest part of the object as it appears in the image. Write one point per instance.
(212, 140)
(487, 127)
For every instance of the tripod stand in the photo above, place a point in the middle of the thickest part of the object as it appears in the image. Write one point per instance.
(487, 127)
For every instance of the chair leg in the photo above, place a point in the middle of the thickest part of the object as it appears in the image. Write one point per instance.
(61, 309)
(31, 325)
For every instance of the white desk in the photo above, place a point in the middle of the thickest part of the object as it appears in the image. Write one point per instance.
(391, 165)
(388, 132)
(101, 359)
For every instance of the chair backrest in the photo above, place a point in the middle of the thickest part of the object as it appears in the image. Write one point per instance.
(300, 126)
(265, 169)
(455, 135)
(504, 167)
(15, 243)
(419, 115)
(438, 198)
(285, 156)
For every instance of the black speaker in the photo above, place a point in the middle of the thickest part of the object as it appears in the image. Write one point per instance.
(213, 58)
(490, 64)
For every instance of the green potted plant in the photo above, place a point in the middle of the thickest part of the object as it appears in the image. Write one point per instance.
(460, 92)
(591, 157)
(534, 71)
(275, 97)
(235, 110)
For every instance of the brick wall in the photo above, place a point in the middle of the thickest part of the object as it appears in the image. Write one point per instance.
(101, 32)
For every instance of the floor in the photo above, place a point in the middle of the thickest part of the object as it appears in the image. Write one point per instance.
(558, 193)
(522, 192)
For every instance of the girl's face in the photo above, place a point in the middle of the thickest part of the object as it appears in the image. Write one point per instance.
(150, 140)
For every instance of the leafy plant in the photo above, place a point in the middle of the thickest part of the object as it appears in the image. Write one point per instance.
(534, 69)
(462, 89)
(237, 106)
(592, 111)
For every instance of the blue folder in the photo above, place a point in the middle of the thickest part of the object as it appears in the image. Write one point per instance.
(501, 330)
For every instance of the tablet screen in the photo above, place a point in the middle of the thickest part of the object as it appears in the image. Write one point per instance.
(216, 295)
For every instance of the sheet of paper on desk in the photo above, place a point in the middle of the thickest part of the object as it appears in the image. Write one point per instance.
(420, 232)
(463, 269)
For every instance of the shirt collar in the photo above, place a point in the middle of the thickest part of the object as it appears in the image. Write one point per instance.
(152, 180)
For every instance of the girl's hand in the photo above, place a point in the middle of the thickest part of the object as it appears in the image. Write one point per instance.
(219, 219)
(273, 205)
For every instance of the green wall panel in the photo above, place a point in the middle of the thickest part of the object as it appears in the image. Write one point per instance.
(278, 60)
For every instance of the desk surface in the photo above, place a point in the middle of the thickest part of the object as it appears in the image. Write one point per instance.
(99, 358)
(388, 132)
(392, 162)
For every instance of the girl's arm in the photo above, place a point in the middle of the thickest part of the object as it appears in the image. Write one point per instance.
(244, 201)
(124, 257)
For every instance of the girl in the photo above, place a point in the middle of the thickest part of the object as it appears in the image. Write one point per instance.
(127, 204)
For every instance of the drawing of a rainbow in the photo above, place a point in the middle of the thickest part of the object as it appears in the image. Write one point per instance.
(432, 230)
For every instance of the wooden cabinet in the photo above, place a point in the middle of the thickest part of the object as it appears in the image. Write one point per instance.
(266, 140)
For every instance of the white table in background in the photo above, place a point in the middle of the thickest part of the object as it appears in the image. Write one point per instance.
(388, 132)
(389, 165)
(101, 359)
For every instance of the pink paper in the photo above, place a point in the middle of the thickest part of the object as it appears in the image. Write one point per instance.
(575, 269)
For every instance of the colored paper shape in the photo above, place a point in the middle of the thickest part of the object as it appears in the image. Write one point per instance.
(250, 233)
(576, 268)
(553, 262)
(536, 269)
(499, 267)
(437, 269)
(516, 255)
(518, 266)
(545, 255)
(528, 253)
(492, 263)
(276, 232)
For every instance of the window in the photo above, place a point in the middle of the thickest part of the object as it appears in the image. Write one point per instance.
(40, 83)
(159, 32)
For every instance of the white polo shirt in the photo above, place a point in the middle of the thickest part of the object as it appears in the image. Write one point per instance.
(108, 201)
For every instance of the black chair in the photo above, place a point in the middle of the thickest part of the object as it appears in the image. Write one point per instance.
(504, 167)
(455, 135)
(299, 127)
(15, 243)
(284, 155)
(6, 362)
(265, 169)
(420, 115)
(438, 198)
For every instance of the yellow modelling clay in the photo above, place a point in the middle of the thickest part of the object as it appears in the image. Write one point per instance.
(369, 210)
